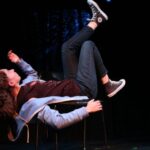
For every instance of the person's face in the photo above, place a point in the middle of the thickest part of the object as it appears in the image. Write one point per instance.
(13, 77)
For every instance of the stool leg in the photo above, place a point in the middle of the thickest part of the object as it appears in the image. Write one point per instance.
(105, 147)
(105, 131)
(56, 142)
(84, 134)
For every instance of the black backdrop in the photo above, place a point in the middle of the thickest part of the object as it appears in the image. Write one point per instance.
(36, 31)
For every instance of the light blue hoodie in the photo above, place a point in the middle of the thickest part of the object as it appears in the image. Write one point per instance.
(40, 106)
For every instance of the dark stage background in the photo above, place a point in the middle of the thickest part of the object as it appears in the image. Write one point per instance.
(36, 31)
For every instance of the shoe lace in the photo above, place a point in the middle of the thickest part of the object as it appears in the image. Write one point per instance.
(94, 15)
(94, 12)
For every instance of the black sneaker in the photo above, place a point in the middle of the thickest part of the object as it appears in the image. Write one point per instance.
(98, 14)
(113, 87)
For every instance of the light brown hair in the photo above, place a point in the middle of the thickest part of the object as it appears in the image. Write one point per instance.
(3, 80)
(7, 104)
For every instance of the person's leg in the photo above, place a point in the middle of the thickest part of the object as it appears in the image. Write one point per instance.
(111, 87)
(89, 60)
(91, 70)
(72, 46)
(70, 49)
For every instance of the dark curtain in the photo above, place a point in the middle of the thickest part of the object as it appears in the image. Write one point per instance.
(40, 33)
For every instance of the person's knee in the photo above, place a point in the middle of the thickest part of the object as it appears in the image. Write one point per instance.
(88, 43)
(88, 46)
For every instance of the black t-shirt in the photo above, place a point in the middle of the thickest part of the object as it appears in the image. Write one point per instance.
(38, 89)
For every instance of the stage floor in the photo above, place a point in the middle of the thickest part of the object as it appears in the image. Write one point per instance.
(94, 145)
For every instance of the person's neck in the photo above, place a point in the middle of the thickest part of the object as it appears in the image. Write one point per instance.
(15, 90)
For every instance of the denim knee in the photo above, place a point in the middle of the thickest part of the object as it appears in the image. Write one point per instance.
(88, 44)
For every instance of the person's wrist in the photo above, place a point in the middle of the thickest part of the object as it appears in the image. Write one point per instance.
(18, 61)
(87, 109)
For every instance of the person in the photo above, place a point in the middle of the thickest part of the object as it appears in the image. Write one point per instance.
(80, 81)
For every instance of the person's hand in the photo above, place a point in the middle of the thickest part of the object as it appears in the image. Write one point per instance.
(94, 106)
(14, 58)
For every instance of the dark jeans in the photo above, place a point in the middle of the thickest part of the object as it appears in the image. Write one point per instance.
(85, 68)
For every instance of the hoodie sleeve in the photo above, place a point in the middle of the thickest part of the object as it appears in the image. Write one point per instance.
(27, 69)
(58, 121)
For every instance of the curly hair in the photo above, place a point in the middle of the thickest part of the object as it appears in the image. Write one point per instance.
(7, 104)
(7, 108)
(3, 80)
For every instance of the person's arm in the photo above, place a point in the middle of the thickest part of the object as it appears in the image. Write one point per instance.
(24, 66)
(58, 121)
